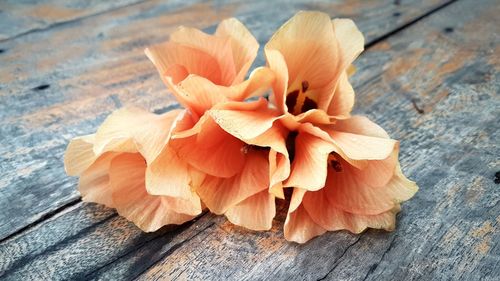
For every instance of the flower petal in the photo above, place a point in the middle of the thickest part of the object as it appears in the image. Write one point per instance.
(94, 181)
(169, 175)
(312, 55)
(217, 47)
(210, 149)
(360, 125)
(343, 98)
(79, 155)
(350, 39)
(132, 129)
(148, 212)
(299, 226)
(331, 218)
(243, 44)
(255, 213)
(276, 62)
(309, 167)
(355, 191)
(219, 194)
(177, 61)
(246, 122)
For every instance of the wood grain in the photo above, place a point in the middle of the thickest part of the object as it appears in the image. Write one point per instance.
(61, 82)
(22, 17)
(435, 87)
(448, 64)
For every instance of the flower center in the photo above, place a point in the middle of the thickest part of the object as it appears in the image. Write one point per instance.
(290, 144)
(298, 102)
(334, 163)
(248, 147)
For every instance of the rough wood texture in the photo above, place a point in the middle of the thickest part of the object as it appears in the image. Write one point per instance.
(62, 81)
(433, 85)
(22, 17)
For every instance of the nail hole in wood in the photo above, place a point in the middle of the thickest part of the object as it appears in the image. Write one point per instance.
(2, 51)
(396, 14)
(448, 30)
(497, 177)
(41, 87)
(397, 2)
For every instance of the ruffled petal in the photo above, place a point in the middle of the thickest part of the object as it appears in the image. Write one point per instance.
(312, 55)
(79, 155)
(217, 47)
(219, 194)
(350, 40)
(331, 218)
(245, 120)
(210, 149)
(299, 226)
(176, 61)
(360, 125)
(276, 62)
(255, 213)
(359, 191)
(94, 181)
(169, 175)
(148, 212)
(309, 167)
(343, 99)
(243, 44)
(132, 129)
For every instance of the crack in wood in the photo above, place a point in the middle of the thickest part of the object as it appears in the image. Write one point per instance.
(406, 25)
(42, 219)
(337, 262)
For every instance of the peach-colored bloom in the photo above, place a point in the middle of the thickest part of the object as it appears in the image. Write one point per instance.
(364, 183)
(202, 70)
(238, 169)
(206, 72)
(344, 171)
(112, 167)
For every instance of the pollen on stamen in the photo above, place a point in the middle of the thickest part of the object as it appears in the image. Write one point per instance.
(305, 86)
(334, 163)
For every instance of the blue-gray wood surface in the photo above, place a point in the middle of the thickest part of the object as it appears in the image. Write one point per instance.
(429, 76)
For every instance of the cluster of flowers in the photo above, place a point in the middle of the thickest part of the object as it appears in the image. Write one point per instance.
(234, 152)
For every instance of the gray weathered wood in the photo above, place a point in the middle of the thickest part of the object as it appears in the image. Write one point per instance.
(448, 66)
(434, 86)
(22, 17)
(61, 82)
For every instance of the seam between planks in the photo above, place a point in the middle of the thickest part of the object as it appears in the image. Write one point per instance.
(62, 23)
(406, 25)
(53, 213)
(43, 218)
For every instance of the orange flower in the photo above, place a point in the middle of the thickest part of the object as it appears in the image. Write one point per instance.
(112, 167)
(364, 183)
(239, 169)
(202, 70)
(344, 172)
(311, 56)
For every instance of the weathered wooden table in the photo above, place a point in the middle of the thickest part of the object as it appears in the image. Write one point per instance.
(429, 76)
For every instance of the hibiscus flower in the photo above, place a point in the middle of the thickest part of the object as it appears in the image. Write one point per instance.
(112, 166)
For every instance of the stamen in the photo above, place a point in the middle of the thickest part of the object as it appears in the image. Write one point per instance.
(305, 86)
(334, 163)
(291, 100)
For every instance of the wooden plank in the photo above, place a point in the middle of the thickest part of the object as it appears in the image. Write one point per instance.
(448, 231)
(22, 17)
(61, 82)
(448, 65)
